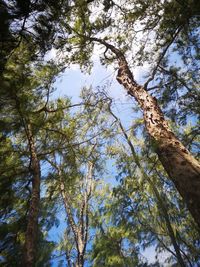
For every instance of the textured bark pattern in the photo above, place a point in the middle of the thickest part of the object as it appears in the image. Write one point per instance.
(32, 224)
(181, 166)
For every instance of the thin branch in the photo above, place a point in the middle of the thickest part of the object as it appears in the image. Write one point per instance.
(162, 56)
(176, 78)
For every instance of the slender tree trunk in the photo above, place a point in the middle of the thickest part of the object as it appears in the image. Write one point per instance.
(79, 230)
(32, 224)
(80, 244)
(170, 230)
(75, 228)
(182, 168)
(80, 259)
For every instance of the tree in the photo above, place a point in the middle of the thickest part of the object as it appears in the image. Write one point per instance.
(109, 249)
(29, 21)
(137, 174)
(183, 169)
(22, 94)
(72, 150)
(46, 146)
(144, 201)
(77, 216)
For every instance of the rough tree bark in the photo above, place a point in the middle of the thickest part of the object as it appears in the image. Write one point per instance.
(182, 168)
(32, 222)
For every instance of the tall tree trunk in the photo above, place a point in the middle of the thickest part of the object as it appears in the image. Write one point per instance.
(182, 168)
(32, 223)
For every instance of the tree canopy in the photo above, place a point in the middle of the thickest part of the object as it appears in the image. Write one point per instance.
(97, 181)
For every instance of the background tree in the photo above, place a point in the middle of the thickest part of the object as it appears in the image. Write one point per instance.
(23, 88)
(149, 188)
(29, 22)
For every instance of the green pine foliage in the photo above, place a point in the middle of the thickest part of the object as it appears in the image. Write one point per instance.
(131, 205)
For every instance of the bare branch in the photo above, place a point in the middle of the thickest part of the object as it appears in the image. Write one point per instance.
(177, 31)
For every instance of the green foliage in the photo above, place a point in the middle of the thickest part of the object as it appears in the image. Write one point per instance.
(24, 86)
(111, 248)
(140, 209)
